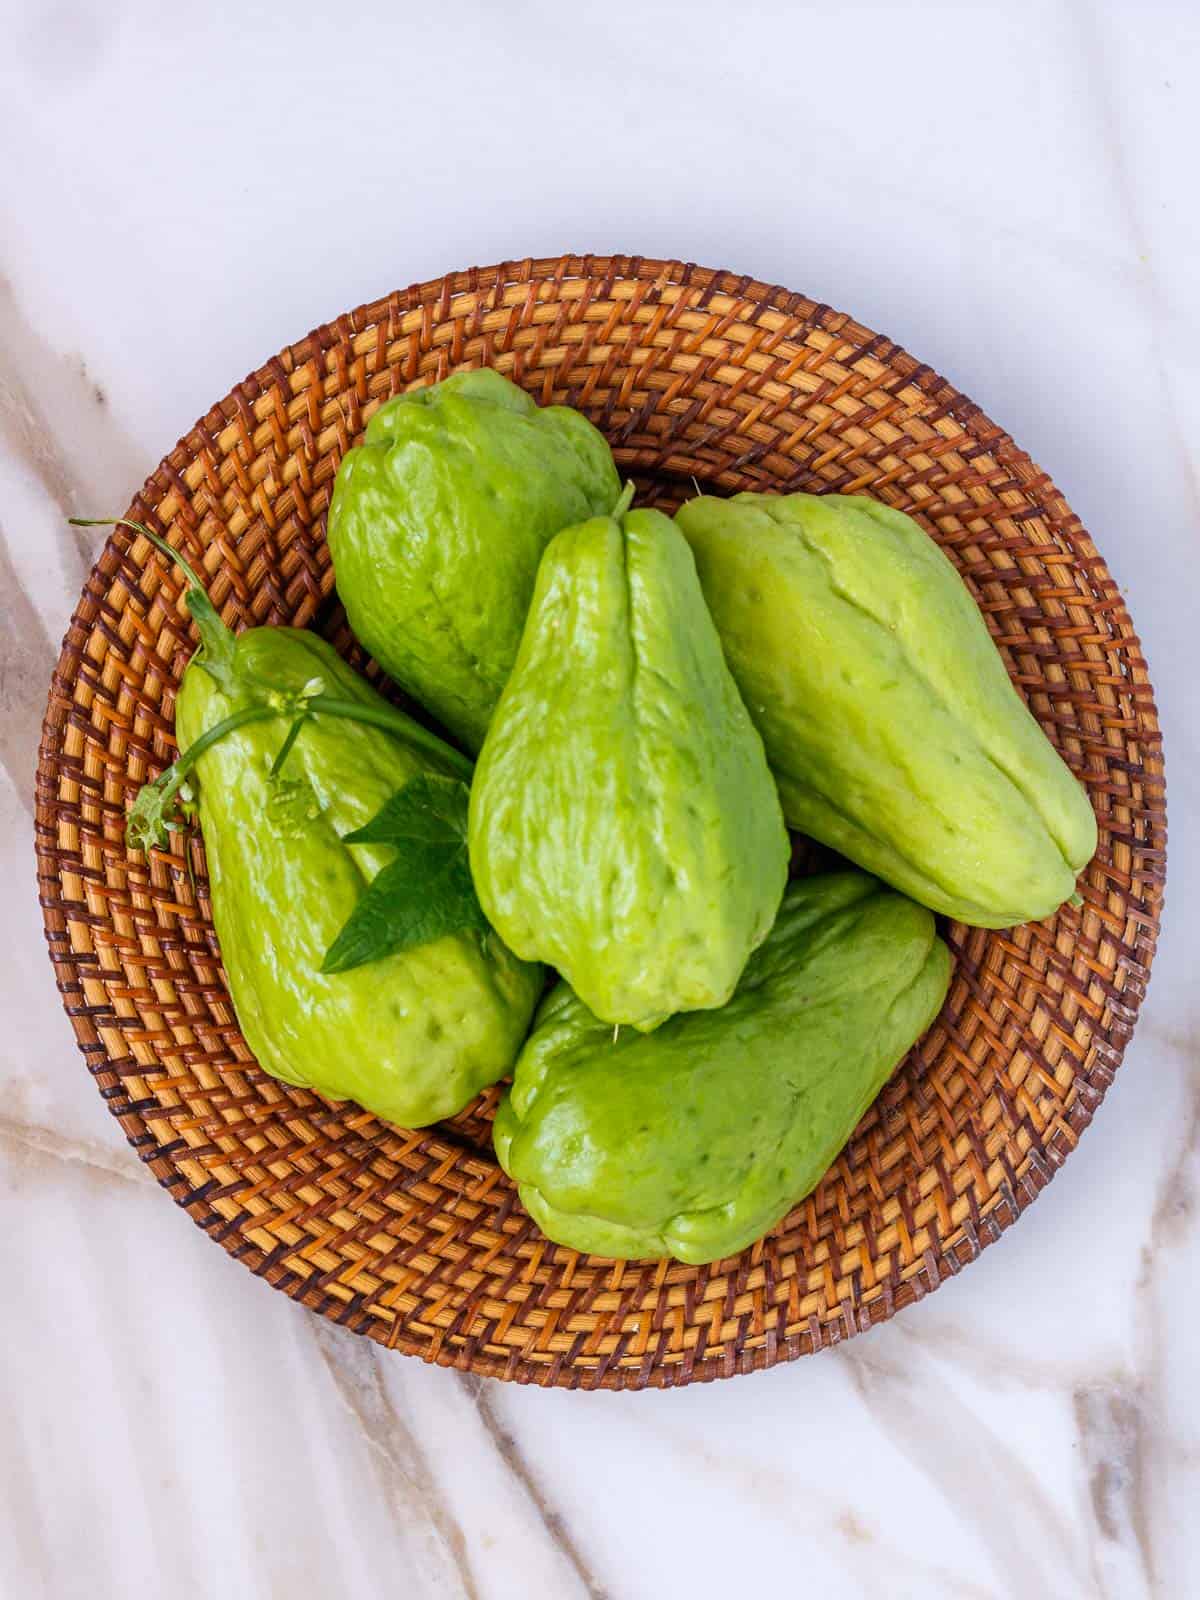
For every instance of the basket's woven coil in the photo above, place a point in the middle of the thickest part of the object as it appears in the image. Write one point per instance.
(416, 1239)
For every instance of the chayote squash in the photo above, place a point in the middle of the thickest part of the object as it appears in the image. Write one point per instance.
(695, 1140)
(437, 524)
(292, 750)
(624, 825)
(411, 1037)
(892, 726)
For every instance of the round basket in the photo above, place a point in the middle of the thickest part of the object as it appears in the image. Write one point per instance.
(416, 1238)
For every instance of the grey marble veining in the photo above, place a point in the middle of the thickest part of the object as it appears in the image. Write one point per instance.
(1006, 189)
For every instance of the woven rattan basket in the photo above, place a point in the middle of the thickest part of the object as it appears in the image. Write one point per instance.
(417, 1239)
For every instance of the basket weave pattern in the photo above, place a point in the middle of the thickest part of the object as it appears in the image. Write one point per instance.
(416, 1238)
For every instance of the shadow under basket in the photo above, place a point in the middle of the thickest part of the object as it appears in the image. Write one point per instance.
(417, 1239)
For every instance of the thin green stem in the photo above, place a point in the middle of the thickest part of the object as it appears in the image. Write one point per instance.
(156, 539)
(394, 721)
(152, 816)
(285, 749)
(211, 736)
(216, 640)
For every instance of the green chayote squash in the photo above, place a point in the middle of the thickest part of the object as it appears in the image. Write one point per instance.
(695, 1140)
(437, 524)
(292, 751)
(893, 729)
(624, 825)
(411, 1037)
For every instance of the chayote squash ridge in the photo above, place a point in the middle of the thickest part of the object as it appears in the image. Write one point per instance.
(624, 826)
(695, 1140)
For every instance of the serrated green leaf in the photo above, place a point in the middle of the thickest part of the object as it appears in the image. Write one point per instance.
(429, 808)
(155, 812)
(426, 892)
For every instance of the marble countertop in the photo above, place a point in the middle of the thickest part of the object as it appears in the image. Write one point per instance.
(1007, 189)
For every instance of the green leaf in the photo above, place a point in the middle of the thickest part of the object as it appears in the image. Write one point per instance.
(156, 811)
(164, 805)
(426, 892)
(431, 808)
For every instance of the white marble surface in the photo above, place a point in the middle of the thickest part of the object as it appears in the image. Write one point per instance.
(1008, 189)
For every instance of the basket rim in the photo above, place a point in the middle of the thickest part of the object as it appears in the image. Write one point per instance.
(434, 297)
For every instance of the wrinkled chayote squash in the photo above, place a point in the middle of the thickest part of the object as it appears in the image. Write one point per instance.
(695, 1140)
(437, 524)
(412, 1036)
(893, 729)
(624, 825)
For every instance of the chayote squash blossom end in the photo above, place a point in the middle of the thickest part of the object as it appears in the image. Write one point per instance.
(695, 1140)
(893, 729)
(437, 524)
(412, 1036)
(624, 826)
